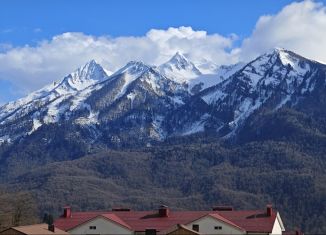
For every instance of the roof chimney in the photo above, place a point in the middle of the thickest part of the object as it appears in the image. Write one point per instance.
(269, 210)
(51, 227)
(67, 212)
(163, 211)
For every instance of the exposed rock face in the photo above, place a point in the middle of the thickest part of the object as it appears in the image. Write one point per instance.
(144, 103)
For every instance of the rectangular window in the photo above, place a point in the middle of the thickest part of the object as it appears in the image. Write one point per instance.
(92, 227)
(218, 227)
(195, 227)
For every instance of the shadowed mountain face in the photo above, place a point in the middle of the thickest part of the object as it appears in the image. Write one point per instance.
(243, 134)
(148, 104)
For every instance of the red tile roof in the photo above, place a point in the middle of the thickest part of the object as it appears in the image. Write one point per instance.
(176, 228)
(223, 219)
(250, 221)
(37, 229)
(116, 219)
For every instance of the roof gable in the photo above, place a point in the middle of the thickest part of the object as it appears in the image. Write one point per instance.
(177, 228)
(250, 221)
(278, 216)
(109, 217)
(226, 221)
(220, 218)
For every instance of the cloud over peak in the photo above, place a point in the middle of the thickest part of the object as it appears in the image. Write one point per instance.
(299, 26)
(31, 67)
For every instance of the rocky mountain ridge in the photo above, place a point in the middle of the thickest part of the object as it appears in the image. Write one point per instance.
(151, 103)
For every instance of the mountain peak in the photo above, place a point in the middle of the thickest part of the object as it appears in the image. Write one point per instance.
(84, 76)
(178, 54)
(289, 58)
(179, 58)
(133, 67)
(136, 63)
(89, 67)
(283, 56)
(92, 62)
(91, 70)
(278, 49)
(274, 52)
(179, 68)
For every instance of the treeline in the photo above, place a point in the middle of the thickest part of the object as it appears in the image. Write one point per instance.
(17, 208)
(279, 158)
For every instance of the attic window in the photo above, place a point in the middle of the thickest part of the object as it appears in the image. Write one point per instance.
(195, 227)
(218, 227)
(92, 227)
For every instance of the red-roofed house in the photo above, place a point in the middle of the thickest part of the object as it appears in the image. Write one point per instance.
(222, 220)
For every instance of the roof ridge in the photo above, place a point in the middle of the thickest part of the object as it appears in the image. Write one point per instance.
(136, 220)
(121, 222)
(226, 220)
(29, 225)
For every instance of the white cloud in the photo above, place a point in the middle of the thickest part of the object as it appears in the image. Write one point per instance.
(299, 27)
(29, 68)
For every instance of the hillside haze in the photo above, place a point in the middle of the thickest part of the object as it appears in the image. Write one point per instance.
(184, 134)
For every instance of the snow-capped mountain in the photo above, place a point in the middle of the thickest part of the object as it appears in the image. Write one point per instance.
(179, 69)
(273, 80)
(135, 100)
(53, 94)
(211, 79)
(49, 103)
(83, 77)
(89, 98)
(197, 78)
(206, 66)
(142, 103)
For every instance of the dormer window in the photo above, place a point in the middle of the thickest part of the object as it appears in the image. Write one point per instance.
(195, 227)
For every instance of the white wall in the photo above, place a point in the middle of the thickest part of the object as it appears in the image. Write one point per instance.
(278, 226)
(103, 226)
(207, 224)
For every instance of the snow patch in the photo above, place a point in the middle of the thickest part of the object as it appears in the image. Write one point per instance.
(214, 96)
(299, 68)
(157, 131)
(131, 96)
(179, 69)
(198, 126)
(4, 139)
(92, 119)
(130, 73)
(177, 100)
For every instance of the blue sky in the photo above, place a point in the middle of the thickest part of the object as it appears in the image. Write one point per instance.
(42, 40)
(27, 22)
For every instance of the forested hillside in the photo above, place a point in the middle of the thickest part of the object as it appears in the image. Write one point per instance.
(286, 169)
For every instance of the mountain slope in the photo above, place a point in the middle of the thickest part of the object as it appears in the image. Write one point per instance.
(179, 69)
(136, 96)
(49, 104)
(143, 104)
(135, 101)
(275, 79)
(209, 173)
(220, 74)
(169, 140)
